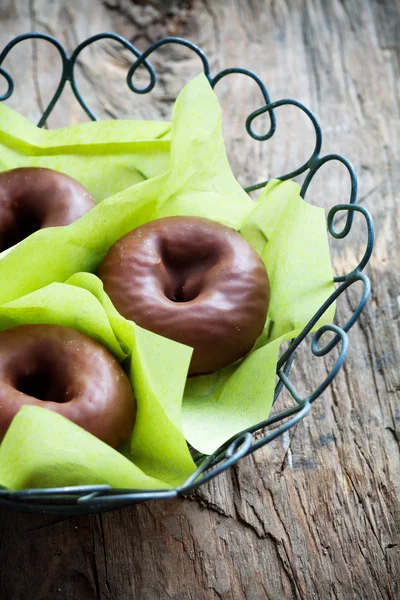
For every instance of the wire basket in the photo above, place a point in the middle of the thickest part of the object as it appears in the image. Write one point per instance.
(96, 498)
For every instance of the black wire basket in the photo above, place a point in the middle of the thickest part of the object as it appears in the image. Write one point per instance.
(89, 499)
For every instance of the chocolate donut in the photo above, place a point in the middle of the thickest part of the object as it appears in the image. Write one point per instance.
(191, 280)
(68, 372)
(33, 198)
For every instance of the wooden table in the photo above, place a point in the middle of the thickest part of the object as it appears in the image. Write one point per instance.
(316, 514)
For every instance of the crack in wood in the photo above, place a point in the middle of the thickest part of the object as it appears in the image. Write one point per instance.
(45, 525)
(291, 433)
(95, 567)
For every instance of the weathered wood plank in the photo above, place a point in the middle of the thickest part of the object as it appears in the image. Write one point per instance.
(316, 514)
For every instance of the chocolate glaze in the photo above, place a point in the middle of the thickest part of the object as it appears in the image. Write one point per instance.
(68, 372)
(191, 280)
(33, 198)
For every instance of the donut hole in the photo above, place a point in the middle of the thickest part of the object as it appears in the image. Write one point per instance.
(36, 384)
(185, 286)
(179, 296)
(25, 223)
(43, 383)
(187, 266)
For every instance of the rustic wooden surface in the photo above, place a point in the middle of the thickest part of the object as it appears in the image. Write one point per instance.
(316, 514)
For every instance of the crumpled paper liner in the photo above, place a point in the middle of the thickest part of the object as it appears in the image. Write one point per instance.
(289, 234)
(43, 449)
(105, 156)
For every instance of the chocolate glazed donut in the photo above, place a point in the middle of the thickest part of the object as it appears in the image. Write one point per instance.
(33, 198)
(191, 280)
(68, 372)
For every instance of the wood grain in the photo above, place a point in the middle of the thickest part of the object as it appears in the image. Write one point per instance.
(315, 514)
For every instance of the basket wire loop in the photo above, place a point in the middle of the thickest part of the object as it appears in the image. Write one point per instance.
(93, 498)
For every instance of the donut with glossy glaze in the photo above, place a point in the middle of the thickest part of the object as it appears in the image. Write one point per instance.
(32, 198)
(191, 280)
(66, 371)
